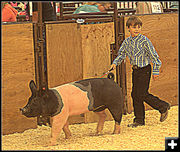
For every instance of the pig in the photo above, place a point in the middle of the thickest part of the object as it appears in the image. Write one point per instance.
(75, 98)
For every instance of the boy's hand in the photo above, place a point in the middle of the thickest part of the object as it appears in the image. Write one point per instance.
(113, 66)
(155, 77)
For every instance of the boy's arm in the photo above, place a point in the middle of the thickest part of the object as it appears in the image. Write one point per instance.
(121, 54)
(154, 57)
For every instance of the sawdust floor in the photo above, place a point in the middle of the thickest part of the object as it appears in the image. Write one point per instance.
(148, 137)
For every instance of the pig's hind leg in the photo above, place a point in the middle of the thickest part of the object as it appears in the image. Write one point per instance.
(117, 115)
(66, 130)
(102, 116)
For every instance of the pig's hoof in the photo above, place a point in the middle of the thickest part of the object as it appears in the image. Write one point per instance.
(98, 133)
(52, 144)
(116, 132)
(68, 137)
(47, 145)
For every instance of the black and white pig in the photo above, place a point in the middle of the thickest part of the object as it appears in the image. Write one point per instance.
(95, 94)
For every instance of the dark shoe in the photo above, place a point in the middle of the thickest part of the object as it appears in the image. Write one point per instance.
(135, 124)
(164, 115)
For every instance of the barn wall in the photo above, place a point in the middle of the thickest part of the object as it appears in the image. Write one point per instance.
(17, 71)
(162, 30)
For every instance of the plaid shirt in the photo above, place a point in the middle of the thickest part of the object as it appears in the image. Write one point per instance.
(140, 51)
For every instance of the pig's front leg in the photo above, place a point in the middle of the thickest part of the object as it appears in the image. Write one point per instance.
(57, 124)
(102, 116)
(66, 130)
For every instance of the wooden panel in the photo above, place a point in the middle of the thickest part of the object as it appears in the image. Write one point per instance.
(17, 71)
(162, 30)
(96, 40)
(64, 53)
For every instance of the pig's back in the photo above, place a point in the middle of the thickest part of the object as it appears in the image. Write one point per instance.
(104, 91)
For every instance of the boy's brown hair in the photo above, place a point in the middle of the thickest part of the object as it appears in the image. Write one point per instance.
(133, 20)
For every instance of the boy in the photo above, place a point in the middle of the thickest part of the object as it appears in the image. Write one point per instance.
(141, 52)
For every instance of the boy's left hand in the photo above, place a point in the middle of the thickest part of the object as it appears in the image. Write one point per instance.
(155, 77)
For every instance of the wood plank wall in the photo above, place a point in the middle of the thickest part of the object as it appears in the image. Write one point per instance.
(162, 30)
(17, 71)
(64, 53)
(96, 40)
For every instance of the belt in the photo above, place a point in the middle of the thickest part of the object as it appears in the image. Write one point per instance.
(135, 67)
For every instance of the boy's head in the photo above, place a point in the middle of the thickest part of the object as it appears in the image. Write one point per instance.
(134, 25)
(133, 20)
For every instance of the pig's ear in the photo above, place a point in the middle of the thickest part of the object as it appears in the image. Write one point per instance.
(33, 87)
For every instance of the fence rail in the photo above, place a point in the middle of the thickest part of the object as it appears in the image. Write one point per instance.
(62, 9)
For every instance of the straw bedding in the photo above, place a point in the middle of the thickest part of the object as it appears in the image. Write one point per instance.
(148, 137)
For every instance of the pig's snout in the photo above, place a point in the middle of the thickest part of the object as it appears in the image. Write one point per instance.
(21, 109)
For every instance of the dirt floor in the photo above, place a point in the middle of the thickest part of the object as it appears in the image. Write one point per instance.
(148, 137)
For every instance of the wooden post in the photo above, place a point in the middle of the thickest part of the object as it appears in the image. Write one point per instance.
(123, 64)
(61, 9)
(41, 41)
(41, 76)
(121, 69)
(41, 80)
(116, 40)
(54, 9)
(36, 51)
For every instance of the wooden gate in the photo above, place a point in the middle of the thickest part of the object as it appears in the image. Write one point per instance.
(17, 71)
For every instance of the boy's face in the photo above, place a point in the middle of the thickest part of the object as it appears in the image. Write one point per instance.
(134, 30)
